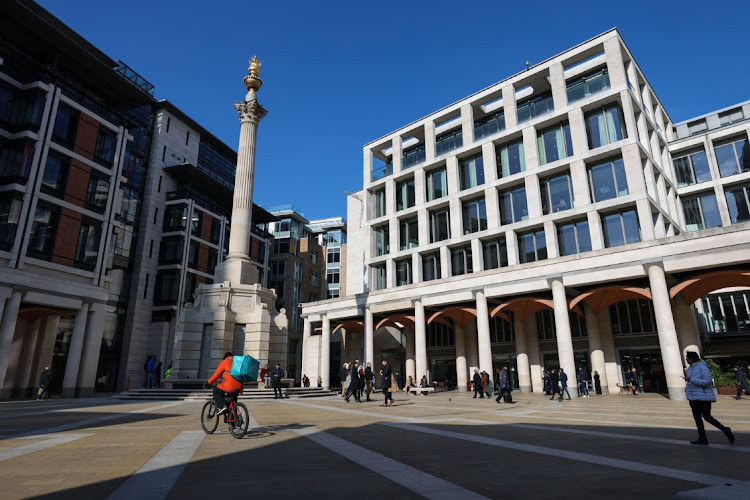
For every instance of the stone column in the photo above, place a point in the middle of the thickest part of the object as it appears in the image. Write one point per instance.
(564, 338)
(670, 347)
(411, 367)
(7, 330)
(70, 380)
(306, 332)
(596, 350)
(686, 326)
(325, 353)
(483, 336)
(470, 342)
(25, 379)
(420, 340)
(368, 338)
(462, 370)
(91, 350)
(608, 347)
(522, 356)
(532, 345)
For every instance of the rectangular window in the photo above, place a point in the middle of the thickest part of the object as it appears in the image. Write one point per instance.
(106, 143)
(733, 156)
(213, 259)
(439, 225)
(166, 287)
(701, 212)
(314, 257)
(312, 297)
(697, 127)
(278, 268)
(731, 116)
(382, 240)
(175, 217)
(169, 122)
(379, 277)
(608, 180)
(334, 257)
(150, 249)
(535, 106)
(97, 193)
(170, 251)
(556, 193)
(55, 174)
(633, 316)
(87, 249)
(187, 138)
(621, 228)
(437, 184)
(471, 171)
(431, 266)
(574, 238)
(164, 153)
(333, 293)
(490, 124)
(738, 202)
(66, 125)
(405, 194)
(145, 287)
(605, 126)
(20, 109)
(403, 272)
(379, 197)
(408, 233)
(513, 207)
(532, 246)
(215, 235)
(588, 85)
(461, 260)
(43, 232)
(501, 331)
(313, 278)
(16, 158)
(495, 253)
(554, 143)
(196, 222)
(333, 277)
(692, 168)
(474, 215)
(10, 213)
(511, 158)
(193, 254)
(448, 141)
(413, 156)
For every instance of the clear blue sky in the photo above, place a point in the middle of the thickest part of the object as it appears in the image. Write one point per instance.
(339, 74)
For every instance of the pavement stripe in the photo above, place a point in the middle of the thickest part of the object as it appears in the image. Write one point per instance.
(156, 478)
(682, 475)
(413, 479)
(39, 445)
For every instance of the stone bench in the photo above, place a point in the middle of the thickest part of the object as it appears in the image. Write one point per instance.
(419, 390)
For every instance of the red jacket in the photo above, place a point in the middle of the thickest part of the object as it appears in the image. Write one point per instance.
(229, 384)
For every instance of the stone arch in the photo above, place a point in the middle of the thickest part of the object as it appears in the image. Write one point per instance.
(460, 315)
(523, 307)
(601, 298)
(394, 320)
(694, 288)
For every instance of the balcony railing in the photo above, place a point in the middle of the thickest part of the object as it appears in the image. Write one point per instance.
(588, 86)
(380, 172)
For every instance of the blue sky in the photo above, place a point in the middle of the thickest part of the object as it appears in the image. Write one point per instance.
(340, 74)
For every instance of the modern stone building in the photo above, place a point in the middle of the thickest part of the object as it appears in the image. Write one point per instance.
(331, 234)
(545, 221)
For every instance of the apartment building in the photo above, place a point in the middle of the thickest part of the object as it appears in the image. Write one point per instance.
(331, 235)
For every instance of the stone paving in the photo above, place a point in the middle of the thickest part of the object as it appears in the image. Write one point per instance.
(445, 445)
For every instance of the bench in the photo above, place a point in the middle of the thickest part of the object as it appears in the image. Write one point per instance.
(418, 390)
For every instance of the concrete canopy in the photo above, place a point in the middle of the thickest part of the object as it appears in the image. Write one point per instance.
(406, 322)
(603, 297)
(695, 288)
(460, 315)
(523, 307)
(351, 326)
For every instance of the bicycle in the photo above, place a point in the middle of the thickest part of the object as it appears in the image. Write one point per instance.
(236, 416)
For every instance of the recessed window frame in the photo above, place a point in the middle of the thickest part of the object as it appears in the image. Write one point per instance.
(552, 202)
(474, 215)
(471, 171)
(538, 242)
(613, 132)
(560, 132)
(406, 194)
(625, 217)
(685, 167)
(436, 184)
(513, 205)
(404, 275)
(461, 260)
(619, 179)
(511, 158)
(436, 217)
(581, 234)
(431, 267)
(495, 251)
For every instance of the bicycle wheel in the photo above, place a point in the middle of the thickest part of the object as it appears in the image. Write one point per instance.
(238, 428)
(209, 418)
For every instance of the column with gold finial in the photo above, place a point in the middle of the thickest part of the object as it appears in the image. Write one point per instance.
(237, 268)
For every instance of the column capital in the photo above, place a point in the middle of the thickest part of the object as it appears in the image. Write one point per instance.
(250, 111)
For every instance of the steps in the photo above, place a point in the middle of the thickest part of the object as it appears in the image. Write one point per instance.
(204, 394)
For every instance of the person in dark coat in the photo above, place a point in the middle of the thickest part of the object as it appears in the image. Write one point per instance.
(150, 372)
(503, 383)
(477, 379)
(547, 383)
(386, 382)
(583, 382)
(554, 381)
(633, 381)
(354, 381)
(342, 377)
(157, 378)
(369, 377)
(276, 377)
(741, 382)
(45, 379)
(597, 383)
(564, 384)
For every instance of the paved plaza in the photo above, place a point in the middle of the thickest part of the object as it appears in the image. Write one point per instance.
(445, 445)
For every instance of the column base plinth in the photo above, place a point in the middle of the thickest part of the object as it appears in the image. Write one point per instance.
(237, 272)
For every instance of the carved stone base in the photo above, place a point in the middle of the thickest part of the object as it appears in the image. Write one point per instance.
(236, 271)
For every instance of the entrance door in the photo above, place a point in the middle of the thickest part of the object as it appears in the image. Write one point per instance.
(509, 360)
(649, 368)
(443, 370)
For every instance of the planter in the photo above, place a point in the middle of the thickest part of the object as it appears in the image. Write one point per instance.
(728, 390)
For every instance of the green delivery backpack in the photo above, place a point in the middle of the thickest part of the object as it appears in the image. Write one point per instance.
(244, 368)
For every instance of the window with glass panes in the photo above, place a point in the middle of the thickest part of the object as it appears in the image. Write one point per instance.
(10, 214)
(314, 278)
(382, 240)
(691, 168)
(403, 272)
(495, 253)
(333, 277)
(608, 180)
(431, 266)
(87, 249)
(605, 126)
(440, 335)
(511, 158)
(471, 171)
(170, 250)
(474, 215)
(632, 316)
(587, 85)
(513, 207)
(448, 141)
(461, 260)
(554, 143)
(556, 193)
(333, 257)
(738, 202)
(501, 331)
(55, 174)
(437, 184)
(727, 313)
(701, 212)
(405, 195)
(488, 125)
(97, 193)
(43, 231)
(731, 116)
(408, 233)
(379, 200)
(733, 156)
(412, 156)
(532, 246)
(439, 225)
(621, 228)
(574, 237)
(546, 329)
(379, 277)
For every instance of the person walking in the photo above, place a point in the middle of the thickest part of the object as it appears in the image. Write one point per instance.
(564, 384)
(342, 378)
(386, 382)
(168, 373)
(583, 382)
(741, 382)
(276, 377)
(502, 383)
(150, 372)
(700, 394)
(547, 383)
(597, 382)
(477, 379)
(369, 378)
(554, 382)
(633, 381)
(45, 379)
(353, 389)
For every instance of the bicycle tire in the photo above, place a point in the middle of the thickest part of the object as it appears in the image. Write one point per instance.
(238, 428)
(209, 418)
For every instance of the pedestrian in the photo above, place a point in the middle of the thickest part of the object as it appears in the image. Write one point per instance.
(168, 373)
(157, 377)
(564, 384)
(424, 383)
(361, 386)
(486, 389)
(633, 381)
(342, 378)
(353, 381)
(741, 382)
(554, 382)
(398, 380)
(583, 381)
(547, 383)
(45, 379)
(477, 379)
(369, 379)
(151, 372)
(653, 381)
(700, 393)
(264, 375)
(409, 384)
(502, 383)
(276, 377)
(597, 382)
(386, 382)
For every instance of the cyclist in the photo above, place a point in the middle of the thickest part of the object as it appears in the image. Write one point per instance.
(228, 384)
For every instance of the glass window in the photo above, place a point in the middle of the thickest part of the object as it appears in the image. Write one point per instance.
(106, 143)
(621, 228)
(513, 206)
(403, 272)
(405, 195)
(215, 236)
(166, 287)
(471, 171)
(701, 212)
(379, 277)
(474, 215)
(15, 160)
(692, 168)
(557, 194)
(731, 116)
(431, 266)
(333, 277)
(87, 249)
(501, 331)
(334, 257)
(532, 246)
(574, 238)
(733, 157)
(10, 213)
(382, 240)
(413, 156)
(495, 253)
(587, 85)
(439, 225)
(19, 109)
(43, 231)
(55, 174)
(408, 233)
(193, 254)
(461, 260)
(381, 168)
(738, 202)
(490, 124)
(379, 197)
(196, 222)
(632, 316)
(535, 106)
(170, 250)
(554, 143)
(448, 141)
(697, 127)
(97, 193)
(175, 217)
(605, 126)
(313, 278)
(547, 330)
(437, 184)
(511, 158)
(66, 125)
(608, 180)
(213, 259)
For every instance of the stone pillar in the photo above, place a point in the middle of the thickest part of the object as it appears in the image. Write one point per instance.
(596, 350)
(420, 339)
(325, 353)
(92, 348)
(564, 338)
(522, 356)
(25, 379)
(670, 348)
(608, 347)
(483, 336)
(368, 338)
(306, 333)
(532, 345)
(462, 370)
(75, 350)
(686, 326)
(7, 330)
(470, 343)
(411, 367)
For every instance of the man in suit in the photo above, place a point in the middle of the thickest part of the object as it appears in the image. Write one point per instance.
(477, 379)
(369, 377)
(554, 380)
(503, 383)
(386, 383)
(276, 377)
(354, 384)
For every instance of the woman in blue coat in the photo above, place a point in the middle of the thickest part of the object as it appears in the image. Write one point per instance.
(699, 391)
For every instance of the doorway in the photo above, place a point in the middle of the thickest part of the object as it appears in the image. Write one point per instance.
(649, 368)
